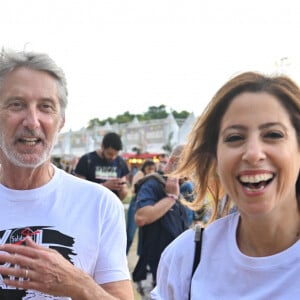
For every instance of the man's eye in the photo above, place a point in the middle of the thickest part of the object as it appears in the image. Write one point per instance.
(47, 107)
(233, 138)
(15, 105)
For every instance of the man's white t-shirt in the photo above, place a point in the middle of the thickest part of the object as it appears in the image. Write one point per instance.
(224, 272)
(82, 220)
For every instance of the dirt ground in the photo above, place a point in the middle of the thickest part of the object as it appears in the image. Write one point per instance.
(132, 259)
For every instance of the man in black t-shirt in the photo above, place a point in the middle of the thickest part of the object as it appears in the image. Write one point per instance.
(105, 166)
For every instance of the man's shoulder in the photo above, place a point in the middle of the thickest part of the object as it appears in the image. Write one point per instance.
(88, 155)
(150, 179)
(120, 160)
(84, 163)
(119, 157)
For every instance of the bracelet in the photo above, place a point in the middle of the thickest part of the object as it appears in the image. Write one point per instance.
(176, 198)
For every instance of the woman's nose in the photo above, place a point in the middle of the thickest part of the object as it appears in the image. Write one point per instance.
(254, 151)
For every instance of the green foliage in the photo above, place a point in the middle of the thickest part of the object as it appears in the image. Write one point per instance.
(156, 112)
(180, 115)
(125, 118)
(94, 122)
(153, 113)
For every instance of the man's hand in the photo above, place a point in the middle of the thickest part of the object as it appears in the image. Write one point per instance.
(115, 184)
(172, 186)
(119, 185)
(44, 270)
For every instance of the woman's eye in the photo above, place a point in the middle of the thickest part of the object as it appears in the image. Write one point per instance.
(274, 135)
(233, 138)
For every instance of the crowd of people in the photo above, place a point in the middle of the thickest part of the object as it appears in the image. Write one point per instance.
(64, 233)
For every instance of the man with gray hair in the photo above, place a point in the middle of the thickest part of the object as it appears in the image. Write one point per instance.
(61, 237)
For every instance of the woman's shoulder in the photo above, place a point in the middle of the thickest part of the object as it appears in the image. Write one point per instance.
(175, 268)
(184, 243)
(216, 231)
(180, 247)
(181, 250)
(228, 220)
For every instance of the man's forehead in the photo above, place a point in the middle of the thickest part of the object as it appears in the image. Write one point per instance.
(22, 80)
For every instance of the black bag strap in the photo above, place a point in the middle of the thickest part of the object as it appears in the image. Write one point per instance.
(197, 256)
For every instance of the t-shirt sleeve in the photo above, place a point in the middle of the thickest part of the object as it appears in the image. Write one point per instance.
(175, 269)
(124, 167)
(112, 261)
(81, 167)
(149, 193)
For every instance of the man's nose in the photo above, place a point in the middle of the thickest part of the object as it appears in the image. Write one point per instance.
(31, 119)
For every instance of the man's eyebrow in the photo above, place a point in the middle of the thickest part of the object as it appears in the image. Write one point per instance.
(47, 99)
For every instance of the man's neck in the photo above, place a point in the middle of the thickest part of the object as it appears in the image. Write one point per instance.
(19, 178)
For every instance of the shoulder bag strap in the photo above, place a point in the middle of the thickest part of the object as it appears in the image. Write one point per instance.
(198, 243)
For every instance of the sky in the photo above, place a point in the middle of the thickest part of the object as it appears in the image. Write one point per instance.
(121, 56)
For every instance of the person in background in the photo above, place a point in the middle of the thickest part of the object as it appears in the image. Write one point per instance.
(187, 192)
(163, 159)
(160, 217)
(147, 167)
(68, 164)
(58, 232)
(248, 141)
(106, 166)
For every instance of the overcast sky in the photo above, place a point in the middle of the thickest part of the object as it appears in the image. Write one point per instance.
(124, 55)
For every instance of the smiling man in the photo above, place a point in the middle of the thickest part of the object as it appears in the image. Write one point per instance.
(71, 251)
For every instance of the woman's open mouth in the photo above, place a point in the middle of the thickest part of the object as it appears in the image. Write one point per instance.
(256, 182)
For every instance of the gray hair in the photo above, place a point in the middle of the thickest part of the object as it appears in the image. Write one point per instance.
(11, 60)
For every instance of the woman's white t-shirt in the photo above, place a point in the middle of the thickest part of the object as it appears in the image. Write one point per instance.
(224, 272)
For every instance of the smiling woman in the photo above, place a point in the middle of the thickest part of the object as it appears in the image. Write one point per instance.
(259, 149)
(247, 144)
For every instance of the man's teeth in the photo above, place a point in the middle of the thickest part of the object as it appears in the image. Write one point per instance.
(255, 178)
(30, 141)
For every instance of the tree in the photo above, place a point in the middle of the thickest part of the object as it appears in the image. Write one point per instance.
(125, 118)
(94, 123)
(156, 112)
(153, 113)
(180, 115)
